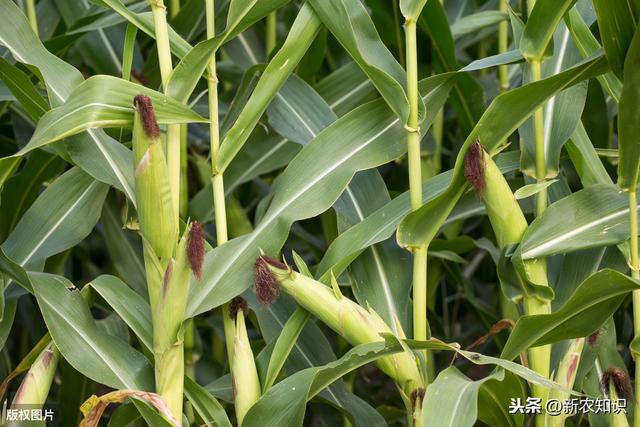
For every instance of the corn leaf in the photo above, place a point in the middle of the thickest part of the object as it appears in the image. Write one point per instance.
(538, 32)
(94, 353)
(349, 22)
(381, 224)
(617, 22)
(131, 307)
(362, 139)
(629, 120)
(593, 302)
(461, 409)
(503, 116)
(103, 101)
(72, 205)
(596, 216)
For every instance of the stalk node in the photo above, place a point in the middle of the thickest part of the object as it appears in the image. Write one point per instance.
(412, 129)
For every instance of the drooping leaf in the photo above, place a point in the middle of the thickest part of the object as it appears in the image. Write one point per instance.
(130, 306)
(593, 302)
(62, 216)
(103, 101)
(595, 216)
(502, 117)
(452, 399)
(97, 355)
(349, 22)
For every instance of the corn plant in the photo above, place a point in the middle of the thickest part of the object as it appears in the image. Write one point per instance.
(319, 212)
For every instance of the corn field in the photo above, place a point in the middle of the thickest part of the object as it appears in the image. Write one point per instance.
(281, 213)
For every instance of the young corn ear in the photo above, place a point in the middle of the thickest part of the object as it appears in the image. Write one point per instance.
(509, 225)
(35, 386)
(169, 315)
(617, 384)
(354, 323)
(565, 376)
(153, 194)
(244, 374)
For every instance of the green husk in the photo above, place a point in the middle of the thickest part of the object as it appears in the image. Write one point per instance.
(351, 321)
(246, 384)
(35, 386)
(509, 225)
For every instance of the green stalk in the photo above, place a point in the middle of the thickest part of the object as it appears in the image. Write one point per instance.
(538, 123)
(159, 11)
(232, 329)
(35, 386)
(503, 45)
(217, 180)
(272, 32)
(420, 331)
(635, 273)
(31, 15)
(565, 376)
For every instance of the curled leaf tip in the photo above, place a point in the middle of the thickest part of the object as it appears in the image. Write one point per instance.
(265, 285)
(195, 248)
(620, 380)
(237, 305)
(474, 167)
(148, 116)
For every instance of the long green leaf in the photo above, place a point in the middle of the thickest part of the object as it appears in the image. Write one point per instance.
(460, 408)
(617, 22)
(24, 91)
(304, 30)
(130, 306)
(629, 119)
(349, 22)
(541, 25)
(593, 302)
(381, 225)
(103, 101)
(365, 138)
(94, 353)
(593, 217)
(62, 216)
(207, 406)
(503, 116)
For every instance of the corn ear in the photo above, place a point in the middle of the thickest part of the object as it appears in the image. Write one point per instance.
(246, 384)
(157, 222)
(35, 386)
(167, 325)
(509, 225)
(356, 324)
(565, 376)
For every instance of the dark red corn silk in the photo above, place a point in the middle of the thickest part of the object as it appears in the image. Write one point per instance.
(195, 248)
(620, 380)
(417, 396)
(265, 285)
(474, 167)
(236, 305)
(145, 108)
(140, 77)
(167, 277)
